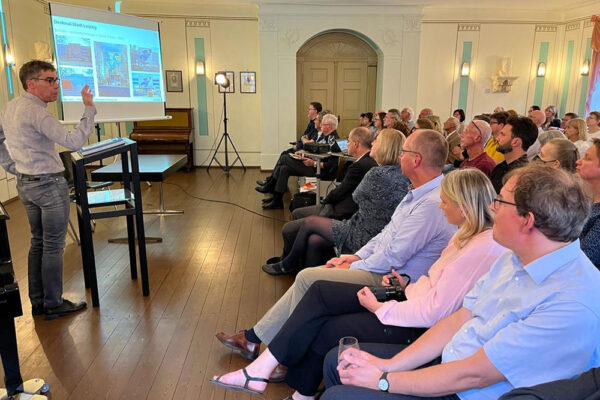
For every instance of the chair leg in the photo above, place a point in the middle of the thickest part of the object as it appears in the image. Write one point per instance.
(73, 233)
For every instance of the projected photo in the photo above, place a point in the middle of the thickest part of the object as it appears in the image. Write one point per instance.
(111, 69)
(73, 50)
(146, 85)
(74, 79)
(144, 59)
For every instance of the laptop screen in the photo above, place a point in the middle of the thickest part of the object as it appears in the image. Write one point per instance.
(343, 144)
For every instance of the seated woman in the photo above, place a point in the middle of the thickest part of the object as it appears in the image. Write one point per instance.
(588, 168)
(331, 310)
(575, 131)
(559, 153)
(377, 196)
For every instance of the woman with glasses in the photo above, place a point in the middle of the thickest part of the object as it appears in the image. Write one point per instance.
(377, 196)
(593, 124)
(588, 168)
(575, 131)
(559, 153)
(331, 310)
(378, 121)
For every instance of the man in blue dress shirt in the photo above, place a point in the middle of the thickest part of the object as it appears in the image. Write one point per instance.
(534, 318)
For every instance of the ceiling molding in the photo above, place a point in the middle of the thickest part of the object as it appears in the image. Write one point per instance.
(469, 27)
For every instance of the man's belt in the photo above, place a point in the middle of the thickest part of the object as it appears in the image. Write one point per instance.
(27, 177)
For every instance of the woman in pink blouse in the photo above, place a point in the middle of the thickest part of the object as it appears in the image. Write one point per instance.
(331, 310)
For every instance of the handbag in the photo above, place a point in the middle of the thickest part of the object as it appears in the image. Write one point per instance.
(10, 297)
(303, 199)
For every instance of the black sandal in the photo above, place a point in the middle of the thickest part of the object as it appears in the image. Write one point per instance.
(240, 388)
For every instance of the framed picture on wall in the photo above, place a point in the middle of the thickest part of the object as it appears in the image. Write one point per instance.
(174, 81)
(231, 89)
(247, 82)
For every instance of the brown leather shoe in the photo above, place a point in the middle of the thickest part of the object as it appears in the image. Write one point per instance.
(278, 374)
(238, 342)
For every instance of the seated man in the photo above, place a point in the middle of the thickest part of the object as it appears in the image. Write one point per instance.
(497, 122)
(304, 167)
(472, 140)
(535, 317)
(310, 135)
(410, 243)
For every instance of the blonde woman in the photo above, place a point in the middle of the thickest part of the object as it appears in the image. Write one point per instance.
(575, 131)
(331, 310)
(377, 196)
(437, 123)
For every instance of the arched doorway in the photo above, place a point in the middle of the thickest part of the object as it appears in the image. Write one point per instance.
(339, 70)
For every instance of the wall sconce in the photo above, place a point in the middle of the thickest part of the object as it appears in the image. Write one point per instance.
(465, 69)
(541, 70)
(200, 68)
(585, 68)
(9, 59)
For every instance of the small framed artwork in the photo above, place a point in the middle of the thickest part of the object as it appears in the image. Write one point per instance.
(231, 77)
(174, 81)
(247, 82)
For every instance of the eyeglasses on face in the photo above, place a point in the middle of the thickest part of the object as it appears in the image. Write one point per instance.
(476, 127)
(51, 81)
(403, 151)
(539, 159)
(498, 201)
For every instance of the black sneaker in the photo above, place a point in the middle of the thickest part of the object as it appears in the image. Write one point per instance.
(67, 307)
(37, 309)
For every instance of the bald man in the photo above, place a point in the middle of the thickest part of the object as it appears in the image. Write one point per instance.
(425, 112)
(473, 140)
(538, 117)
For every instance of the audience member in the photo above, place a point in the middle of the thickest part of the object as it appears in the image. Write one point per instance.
(424, 123)
(378, 118)
(538, 117)
(475, 135)
(497, 122)
(549, 135)
(531, 109)
(307, 241)
(498, 109)
(31, 132)
(407, 115)
(366, 120)
(559, 153)
(459, 114)
(552, 121)
(482, 117)
(514, 139)
(425, 112)
(410, 243)
(331, 310)
(512, 113)
(588, 168)
(575, 131)
(304, 167)
(310, 135)
(402, 127)
(593, 124)
(390, 118)
(512, 327)
(566, 117)
(452, 138)
(437, 123)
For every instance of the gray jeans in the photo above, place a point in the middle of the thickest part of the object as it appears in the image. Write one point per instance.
(46, 203)
(273, 320)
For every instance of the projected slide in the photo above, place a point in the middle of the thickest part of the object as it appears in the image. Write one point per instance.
(120, 63)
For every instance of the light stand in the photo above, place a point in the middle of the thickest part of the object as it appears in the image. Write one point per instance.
(223, 81)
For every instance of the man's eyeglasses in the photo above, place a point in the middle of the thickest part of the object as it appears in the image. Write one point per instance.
(51, 81)
(498, 200)
(409, 151)
(476, 127)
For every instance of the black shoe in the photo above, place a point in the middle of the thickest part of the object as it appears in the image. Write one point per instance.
(273, 260)
(262, 182)
(268, 199)
(273, 205)
(264, 189)
(67, 307)
(37, 309)
(275, 269)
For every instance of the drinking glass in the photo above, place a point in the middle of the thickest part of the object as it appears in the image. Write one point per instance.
(347, 342)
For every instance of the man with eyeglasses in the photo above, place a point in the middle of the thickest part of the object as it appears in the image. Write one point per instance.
(497, 122)
(472, 139)
(534, 318)
(28, 136)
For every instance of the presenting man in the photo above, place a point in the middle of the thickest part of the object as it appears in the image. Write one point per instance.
(535, 317)
(29, 152)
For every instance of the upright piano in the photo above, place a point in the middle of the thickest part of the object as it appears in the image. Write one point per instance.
(170, 136)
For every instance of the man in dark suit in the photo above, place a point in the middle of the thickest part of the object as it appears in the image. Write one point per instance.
(304, 167)
(310, 135)
(338, 204)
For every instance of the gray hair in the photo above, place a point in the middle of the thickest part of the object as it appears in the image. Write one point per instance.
(484, 128)
(555, 197)
(547, 136)
(330, 119)
(410, 111)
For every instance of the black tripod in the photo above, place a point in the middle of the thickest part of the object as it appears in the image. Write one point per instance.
(224, 139)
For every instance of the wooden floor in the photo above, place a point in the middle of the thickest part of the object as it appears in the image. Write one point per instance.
(205, 277)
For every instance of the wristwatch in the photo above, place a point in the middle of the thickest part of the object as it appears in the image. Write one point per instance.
(383, 384)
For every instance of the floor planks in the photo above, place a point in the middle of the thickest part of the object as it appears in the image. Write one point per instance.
(205, 277)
